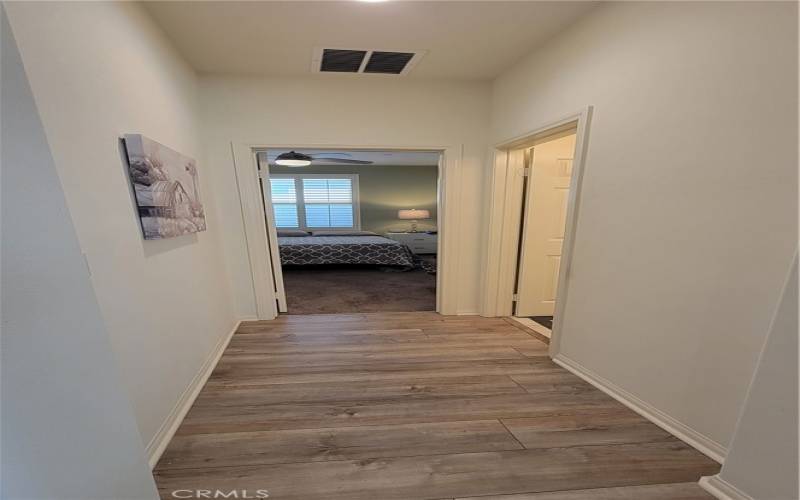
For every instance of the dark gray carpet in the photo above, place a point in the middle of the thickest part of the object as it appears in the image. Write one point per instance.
(354, 289)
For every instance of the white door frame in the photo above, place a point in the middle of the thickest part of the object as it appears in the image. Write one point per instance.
(260, 237)
(505, 218)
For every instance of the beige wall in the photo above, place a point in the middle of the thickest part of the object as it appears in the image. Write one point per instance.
(689, 204)
(347, 112)
(97, 71)
(763, 462)
(67, 424)
(383, 190)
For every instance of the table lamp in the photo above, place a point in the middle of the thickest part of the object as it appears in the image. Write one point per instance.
(413, 215)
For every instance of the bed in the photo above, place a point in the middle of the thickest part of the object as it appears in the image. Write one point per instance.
(376, 250)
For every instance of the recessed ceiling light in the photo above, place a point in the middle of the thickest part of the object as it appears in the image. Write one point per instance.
(372, 1)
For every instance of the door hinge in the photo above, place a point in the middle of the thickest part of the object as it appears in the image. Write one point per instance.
(515, 297)
(526, 171)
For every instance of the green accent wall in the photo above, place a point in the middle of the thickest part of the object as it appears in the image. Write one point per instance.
(383, 190)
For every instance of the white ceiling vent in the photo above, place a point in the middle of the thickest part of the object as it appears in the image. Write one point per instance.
(364, 61)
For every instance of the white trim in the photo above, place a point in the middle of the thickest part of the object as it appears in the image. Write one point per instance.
(258, 232)
(245, 164)
(494, 228)
(448, 194)
(155, 448)
(721, 489)
(568, 248)
(702, 443)
(536, 327)
(506, 211)
(272, 239)
(512, 225)
(300, 201)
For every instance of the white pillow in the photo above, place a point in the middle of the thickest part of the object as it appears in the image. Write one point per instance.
(292, 232)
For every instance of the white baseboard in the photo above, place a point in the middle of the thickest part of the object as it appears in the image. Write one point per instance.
(702, 443)
(155, 448)
(722, 489)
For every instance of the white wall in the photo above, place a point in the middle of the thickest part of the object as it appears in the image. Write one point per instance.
(763, 462)
(339, 110)
(688, 212)
(100, 70)
(67, 424)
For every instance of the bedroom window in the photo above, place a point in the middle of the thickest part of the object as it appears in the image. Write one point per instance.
(315, 201)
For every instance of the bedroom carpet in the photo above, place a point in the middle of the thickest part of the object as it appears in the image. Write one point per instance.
(351, 289)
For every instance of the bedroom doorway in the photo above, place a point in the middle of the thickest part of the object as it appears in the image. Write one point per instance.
(351, 231)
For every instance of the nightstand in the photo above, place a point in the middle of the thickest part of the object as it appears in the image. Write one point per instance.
(417, 242)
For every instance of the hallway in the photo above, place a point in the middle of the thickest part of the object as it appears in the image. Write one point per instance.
(415, 406)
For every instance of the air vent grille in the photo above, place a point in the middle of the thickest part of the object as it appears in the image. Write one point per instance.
(365, 61)
(342, 61)
(388, 62)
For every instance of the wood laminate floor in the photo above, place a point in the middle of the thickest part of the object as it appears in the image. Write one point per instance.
(415, 406)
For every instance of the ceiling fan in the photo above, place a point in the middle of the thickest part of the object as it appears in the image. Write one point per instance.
(294, 159)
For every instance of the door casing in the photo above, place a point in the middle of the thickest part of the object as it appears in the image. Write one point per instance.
(261, 238)
(505, 217)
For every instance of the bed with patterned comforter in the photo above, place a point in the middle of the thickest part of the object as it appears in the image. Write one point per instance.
(308, 250)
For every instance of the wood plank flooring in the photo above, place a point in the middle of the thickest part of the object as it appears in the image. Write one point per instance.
(415, 406)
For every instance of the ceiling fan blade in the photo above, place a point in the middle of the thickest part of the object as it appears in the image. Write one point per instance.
(331, 153)
(344, 160)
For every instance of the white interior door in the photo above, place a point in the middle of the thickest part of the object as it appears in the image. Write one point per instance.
(543, 227)
(272, 238)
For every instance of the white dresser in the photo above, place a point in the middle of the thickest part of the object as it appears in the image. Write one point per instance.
(417, 242)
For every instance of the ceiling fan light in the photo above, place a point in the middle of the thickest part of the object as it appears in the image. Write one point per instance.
(292, 163)
(293, 159)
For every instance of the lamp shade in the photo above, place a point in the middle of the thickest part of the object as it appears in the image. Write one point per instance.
(413, 214)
